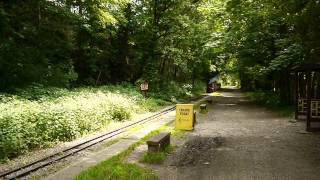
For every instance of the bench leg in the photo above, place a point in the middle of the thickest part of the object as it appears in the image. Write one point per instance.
(153, 148)
(165, 143)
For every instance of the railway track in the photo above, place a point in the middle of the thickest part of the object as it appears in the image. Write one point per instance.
(41, 163)
(46, 161)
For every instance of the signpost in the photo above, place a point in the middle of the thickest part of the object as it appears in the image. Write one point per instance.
(184, 116)
(144, 87)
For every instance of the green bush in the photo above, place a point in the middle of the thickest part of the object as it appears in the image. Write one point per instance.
(152, 104)
(271, 100)
(174, 91)
(119, 113)
(266, 98)
(38, 117)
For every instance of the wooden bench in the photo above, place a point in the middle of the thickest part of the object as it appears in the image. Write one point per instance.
(203, 107)
(159, 142)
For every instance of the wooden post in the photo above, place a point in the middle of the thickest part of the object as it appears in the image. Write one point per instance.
(144, 87)
(296, 77)
(309, 88)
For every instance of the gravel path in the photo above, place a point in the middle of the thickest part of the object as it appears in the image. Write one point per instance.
(255, 143)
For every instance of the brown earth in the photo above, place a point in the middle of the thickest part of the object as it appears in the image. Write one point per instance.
(239, 140)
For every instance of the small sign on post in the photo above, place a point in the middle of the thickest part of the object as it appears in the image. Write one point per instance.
(184, 116)
(144, 87)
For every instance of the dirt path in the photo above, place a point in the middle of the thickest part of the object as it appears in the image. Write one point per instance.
(256, 144)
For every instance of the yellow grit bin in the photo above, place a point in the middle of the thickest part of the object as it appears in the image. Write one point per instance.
(184, 116)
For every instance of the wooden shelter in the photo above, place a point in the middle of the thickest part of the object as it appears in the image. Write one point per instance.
(307, 90)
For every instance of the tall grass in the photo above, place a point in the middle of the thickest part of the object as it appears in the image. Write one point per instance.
(38, 116)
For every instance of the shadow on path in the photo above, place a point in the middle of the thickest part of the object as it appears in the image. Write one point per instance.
(256, 144)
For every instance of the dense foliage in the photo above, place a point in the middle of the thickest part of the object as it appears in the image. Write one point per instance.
(272, 101)
(72, 42)
(266, 38)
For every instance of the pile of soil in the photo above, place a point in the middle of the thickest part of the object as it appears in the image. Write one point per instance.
(197, 150)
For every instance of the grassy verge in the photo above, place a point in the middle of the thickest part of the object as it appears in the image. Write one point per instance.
(156, 157)
(116, 168)
(271, 101)
(159, 157)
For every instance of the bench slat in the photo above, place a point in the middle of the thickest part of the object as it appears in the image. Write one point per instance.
(203, 106)
(155, 140)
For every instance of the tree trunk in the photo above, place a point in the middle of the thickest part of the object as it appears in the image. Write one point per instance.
(285, 92)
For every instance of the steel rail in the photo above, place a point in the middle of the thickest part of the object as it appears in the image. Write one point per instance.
(31, 167)
(38, 164)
